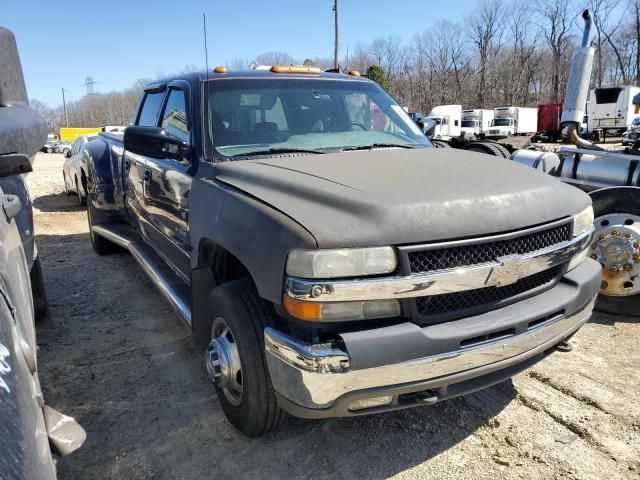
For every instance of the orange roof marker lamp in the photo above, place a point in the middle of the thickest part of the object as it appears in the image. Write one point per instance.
(296, 69)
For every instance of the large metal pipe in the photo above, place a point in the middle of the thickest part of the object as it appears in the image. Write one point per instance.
(578, 87)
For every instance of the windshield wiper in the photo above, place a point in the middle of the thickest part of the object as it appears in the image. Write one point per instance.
(379, 145)
(268, 151)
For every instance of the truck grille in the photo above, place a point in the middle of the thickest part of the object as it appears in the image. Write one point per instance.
(479, 253)
(460, 301)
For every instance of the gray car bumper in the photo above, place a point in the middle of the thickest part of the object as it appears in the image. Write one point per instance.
(405, 365)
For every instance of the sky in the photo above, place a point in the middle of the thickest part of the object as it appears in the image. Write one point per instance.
(118, 42)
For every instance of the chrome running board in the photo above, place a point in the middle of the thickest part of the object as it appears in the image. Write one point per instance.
(162, 277)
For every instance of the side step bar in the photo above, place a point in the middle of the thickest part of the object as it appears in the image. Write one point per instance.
(162, 277)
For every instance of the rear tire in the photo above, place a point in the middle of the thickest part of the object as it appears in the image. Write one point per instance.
(238, 305)
(100, 245)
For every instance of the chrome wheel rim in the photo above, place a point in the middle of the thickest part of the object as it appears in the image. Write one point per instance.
(617, 247)
(223, 362)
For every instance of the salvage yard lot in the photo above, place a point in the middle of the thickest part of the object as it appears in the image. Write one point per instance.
(113, 355)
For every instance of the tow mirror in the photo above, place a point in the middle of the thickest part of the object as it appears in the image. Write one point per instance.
(155, 142)
(428, 126)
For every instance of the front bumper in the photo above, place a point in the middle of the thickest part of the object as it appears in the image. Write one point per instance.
(417, 366)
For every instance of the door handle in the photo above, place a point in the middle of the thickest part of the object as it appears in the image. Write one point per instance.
(147, 175)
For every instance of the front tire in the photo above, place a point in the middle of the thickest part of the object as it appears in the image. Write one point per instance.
(81, 199)
(236, 361)
(38, 291)
(66, 186)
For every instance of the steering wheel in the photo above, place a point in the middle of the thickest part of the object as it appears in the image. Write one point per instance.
(358, 124)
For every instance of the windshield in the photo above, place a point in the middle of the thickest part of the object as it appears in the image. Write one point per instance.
(469, 123)
(501, 122)
(267, 115)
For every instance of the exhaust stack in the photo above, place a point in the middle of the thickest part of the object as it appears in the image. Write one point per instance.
(578, 87)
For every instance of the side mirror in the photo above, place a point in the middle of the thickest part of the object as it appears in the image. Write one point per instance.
(67, 153)
(429, 125)
(22, 131)
(155, 142)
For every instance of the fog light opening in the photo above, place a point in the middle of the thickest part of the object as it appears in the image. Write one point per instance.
(371, 403)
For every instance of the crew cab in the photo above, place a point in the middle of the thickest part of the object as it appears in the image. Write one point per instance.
(329, 260)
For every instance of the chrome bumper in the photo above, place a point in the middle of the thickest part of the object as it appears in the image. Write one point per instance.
(506, 271)
(315, 376)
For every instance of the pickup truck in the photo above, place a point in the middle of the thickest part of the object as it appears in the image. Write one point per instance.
(330, 261)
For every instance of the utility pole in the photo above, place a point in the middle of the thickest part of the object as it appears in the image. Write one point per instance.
(64, 105)
(335, 45)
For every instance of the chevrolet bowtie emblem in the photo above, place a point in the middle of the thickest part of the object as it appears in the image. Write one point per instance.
(508, 272)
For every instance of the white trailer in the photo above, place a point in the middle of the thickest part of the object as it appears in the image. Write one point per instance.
(448, 119)
(612, 109)
(476, 122)
(508, 121)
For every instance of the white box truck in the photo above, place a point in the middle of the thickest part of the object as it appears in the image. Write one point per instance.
(611, 109)
(508, 121)
(448, 120)
(476, 122)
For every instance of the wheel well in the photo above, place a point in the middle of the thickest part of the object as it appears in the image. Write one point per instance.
(216, 266)
(224, 265)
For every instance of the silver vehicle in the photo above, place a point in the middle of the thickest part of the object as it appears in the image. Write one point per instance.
(75, 179)
(29, 429)
(64, 147)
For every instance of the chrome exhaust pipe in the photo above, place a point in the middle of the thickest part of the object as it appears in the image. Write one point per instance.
(578, 87)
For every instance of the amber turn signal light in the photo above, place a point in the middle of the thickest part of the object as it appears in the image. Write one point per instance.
(302, 310)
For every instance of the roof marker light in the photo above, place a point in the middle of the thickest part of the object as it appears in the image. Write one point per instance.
(295, 69)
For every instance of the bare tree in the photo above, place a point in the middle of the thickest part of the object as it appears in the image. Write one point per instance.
(557, 16)
(485, 31)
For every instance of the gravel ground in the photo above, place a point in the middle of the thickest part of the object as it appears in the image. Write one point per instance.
(113, 354)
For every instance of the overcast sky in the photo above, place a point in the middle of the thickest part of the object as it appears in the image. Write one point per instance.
(118, 42)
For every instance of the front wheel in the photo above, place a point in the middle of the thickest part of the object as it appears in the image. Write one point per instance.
(235, 358)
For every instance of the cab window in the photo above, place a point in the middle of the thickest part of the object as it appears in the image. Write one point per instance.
(174, 118)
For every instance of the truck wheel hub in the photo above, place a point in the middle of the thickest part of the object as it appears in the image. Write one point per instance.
(617, 248)
(223, 362)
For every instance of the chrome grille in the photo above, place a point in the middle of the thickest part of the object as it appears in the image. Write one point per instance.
(479, 253)
(459, 301)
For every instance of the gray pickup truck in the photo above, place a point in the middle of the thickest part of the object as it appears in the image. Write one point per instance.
(332, 262)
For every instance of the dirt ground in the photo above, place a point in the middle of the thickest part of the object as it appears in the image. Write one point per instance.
(114, 355)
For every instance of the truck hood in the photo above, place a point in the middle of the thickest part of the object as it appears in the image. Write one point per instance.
(393, 197)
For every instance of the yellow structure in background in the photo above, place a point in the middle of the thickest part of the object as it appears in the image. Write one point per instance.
(69, 134)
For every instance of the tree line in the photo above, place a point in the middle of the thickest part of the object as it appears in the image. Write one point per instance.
(500, 54)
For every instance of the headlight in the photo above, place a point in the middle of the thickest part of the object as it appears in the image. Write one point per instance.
(344, 262)
(577, 260)
(583, 221)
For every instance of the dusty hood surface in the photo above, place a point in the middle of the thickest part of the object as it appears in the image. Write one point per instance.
(404, 196)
